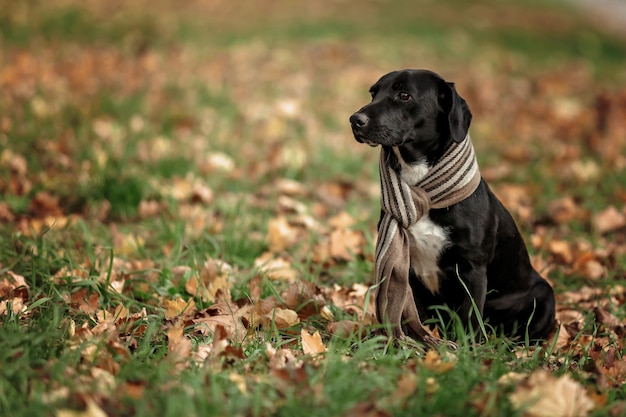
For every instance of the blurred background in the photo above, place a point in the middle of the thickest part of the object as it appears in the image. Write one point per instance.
(104, 103)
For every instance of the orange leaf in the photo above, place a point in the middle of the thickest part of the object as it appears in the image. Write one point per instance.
(178, 306)
(312, 343)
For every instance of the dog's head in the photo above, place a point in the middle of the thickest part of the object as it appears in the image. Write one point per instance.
(415, 108)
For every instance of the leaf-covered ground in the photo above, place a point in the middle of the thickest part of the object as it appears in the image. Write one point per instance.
(187, 225)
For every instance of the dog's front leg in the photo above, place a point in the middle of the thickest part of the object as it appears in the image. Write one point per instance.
(415, 328)
(473, 294)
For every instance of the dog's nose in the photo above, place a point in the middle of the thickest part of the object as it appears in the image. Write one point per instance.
(358, 120)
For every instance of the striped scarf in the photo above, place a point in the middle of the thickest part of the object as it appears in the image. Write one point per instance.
(452, 179)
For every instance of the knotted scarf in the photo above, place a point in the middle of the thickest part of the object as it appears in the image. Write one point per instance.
(450, 180)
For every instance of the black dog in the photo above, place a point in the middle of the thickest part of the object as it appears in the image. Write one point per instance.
(473, 245)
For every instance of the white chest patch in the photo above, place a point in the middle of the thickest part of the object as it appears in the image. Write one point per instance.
(429, 240)
(413, 173)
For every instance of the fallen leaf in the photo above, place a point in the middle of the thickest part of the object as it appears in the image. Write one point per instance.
(345, 244)
(434, 361)
(543, 395)
(312, 343)
(407, 384)
(303, 297)
(561, 250)
(281, 234)
(275, 268)
(608, 220)
(214, 281)
(178, 306)
(233, 325)
(343, 220)
(11, 284)
(281, 318)
(280, 358)
(564, 210)
(344, 328)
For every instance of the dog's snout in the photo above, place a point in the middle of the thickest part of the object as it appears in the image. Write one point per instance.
(359, 120)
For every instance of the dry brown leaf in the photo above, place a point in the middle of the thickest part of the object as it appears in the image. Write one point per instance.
(281, 318)
(280, 358)
(543, 395)
(321, 252)
(304, 297)
(343, 220)
(13, 284)
(290, 187)
(5, 212)
(15, 305)
(407, 384)
(218, 161)
(275, 268)
(45, 204)
(177, 306)
(233, 325)
(517, 199)
(344, 328)
(609, 220)
(560, 338)
(561, 250)
(564, 210)
(345, 244)
(214, 281)
(582, 294)
(281, 234)
(84, 300)
(434, 361)
(312, 343)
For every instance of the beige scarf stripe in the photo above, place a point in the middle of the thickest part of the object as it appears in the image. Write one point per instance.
(453, 178)
(456, 163)
(463, 176)
(452, 154)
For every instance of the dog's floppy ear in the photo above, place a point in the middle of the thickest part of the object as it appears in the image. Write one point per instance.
(459, 115)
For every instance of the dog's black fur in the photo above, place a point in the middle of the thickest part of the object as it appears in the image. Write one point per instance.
(420, 113)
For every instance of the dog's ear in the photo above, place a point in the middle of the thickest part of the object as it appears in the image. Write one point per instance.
(459, 115)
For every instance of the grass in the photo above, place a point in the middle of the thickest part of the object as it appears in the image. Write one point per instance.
(116, 122)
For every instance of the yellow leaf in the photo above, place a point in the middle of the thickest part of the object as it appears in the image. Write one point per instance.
(435, 362)
(312, 343)
(178, 306)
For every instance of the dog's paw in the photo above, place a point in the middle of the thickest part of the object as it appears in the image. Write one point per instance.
(406, 342)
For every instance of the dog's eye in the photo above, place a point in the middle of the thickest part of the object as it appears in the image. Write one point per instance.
(404, 96)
